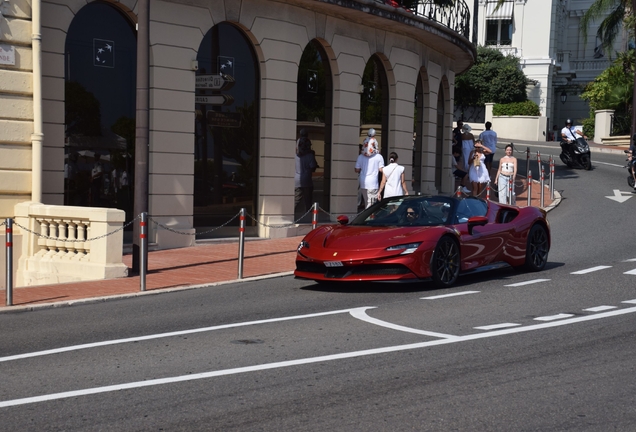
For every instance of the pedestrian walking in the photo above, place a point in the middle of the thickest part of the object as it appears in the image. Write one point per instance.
(468, 143)
(369, 165)
(393, 182)
(506, 173)
(477, 173)
(489, 138)
(305, 166)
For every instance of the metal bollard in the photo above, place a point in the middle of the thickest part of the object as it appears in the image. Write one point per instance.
(542, 184)
(539, 165)
(488, 191)
(529, 188)
(143, 256)
(551, 179)
(458, 193)
(510, 189)
(527, 162)
(314, 218)
(241, 242)
(9, 246)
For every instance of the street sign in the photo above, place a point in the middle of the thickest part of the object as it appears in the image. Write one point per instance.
(214, 82)
(221, 99)
(224, 119)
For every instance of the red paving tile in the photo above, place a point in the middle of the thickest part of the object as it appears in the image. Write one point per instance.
(198, 265)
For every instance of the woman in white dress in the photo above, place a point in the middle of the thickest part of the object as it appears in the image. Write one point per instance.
(506, 173)
(393, 182)
(468, 143)
(477, 172)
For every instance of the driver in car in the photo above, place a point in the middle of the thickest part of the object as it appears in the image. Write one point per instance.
(412, 216)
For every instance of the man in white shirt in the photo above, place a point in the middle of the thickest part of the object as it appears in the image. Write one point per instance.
(568, 133)
(489, 139)
(369, 165)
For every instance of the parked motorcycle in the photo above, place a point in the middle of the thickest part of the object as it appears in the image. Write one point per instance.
(630, 165)
(576, 154)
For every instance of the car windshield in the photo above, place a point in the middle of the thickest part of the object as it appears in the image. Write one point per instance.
(407, 211)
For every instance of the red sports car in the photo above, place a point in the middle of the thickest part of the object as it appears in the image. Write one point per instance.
(422, 237)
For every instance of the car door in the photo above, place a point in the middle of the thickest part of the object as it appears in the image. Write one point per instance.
(486, 243)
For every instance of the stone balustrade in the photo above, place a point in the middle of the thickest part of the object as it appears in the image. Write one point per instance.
(66, 244)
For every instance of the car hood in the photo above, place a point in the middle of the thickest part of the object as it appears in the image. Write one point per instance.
(355, 238)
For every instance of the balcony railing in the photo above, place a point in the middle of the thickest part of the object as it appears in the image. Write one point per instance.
(455, 15)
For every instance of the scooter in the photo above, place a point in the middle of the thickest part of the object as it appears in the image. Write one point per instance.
(630, 166)
(576, 154)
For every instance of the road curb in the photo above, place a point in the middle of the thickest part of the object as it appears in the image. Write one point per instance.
(42, 306)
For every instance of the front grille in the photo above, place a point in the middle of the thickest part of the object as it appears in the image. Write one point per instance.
(347, 271)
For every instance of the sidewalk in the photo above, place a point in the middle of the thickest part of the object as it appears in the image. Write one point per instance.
(194, 267)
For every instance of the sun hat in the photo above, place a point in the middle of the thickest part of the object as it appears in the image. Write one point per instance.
(466, 128)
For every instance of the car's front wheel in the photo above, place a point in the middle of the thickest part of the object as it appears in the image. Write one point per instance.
(537, 248)
(445, 263)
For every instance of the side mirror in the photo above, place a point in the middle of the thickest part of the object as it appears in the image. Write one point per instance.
(476, 221)
(343, 220)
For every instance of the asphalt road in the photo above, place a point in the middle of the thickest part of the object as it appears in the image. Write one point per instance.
(500, 351)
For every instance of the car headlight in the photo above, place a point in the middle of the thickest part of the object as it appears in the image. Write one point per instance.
(303, 244)
(405, 248)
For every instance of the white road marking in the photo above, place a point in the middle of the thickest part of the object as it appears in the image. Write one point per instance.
(362, 315)
(629, 301)
(554, 317)
(437, 297)
(311, 360)
(630, 260)
(496, 326)
(599, 308)
(169, 334)
(631, 272)
(610, 164)
(533, 281)
(618, 196)
(591, 269)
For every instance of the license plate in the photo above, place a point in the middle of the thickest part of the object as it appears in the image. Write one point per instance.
(333, 263)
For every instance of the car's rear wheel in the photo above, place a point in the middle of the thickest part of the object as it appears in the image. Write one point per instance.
(537, 248)
(445, 263)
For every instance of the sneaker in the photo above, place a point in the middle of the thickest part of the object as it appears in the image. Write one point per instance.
(466, 190)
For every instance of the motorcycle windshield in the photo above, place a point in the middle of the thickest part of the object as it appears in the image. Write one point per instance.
(582, 145)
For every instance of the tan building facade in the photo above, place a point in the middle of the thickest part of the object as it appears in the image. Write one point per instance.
(417, 55)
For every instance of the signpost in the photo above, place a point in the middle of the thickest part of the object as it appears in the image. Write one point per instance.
(214, 82)
(220, 99)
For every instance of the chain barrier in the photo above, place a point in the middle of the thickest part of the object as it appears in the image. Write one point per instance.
(127, 224)
(159, 224)
(289, 225)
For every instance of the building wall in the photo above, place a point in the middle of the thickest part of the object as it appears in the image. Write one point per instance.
(548, 40)
(16, 106)
(279, 35)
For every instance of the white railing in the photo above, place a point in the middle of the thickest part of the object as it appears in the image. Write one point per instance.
(66, 244)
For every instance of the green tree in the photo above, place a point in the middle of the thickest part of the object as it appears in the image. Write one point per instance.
(494, 77)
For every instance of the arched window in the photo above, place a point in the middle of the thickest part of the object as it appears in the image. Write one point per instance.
(226, 127)
(100, 81)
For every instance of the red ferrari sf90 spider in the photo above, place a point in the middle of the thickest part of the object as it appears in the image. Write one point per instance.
(422, 237)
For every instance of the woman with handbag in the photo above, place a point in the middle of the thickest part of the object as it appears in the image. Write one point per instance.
(393, 182)
(477, 172)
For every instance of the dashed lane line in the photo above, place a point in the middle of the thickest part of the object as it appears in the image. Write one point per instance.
(554, 317)
(311, 360)
(533, 281)
(442, 296)
(599, 308)
(631, 272)
(590, 270)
